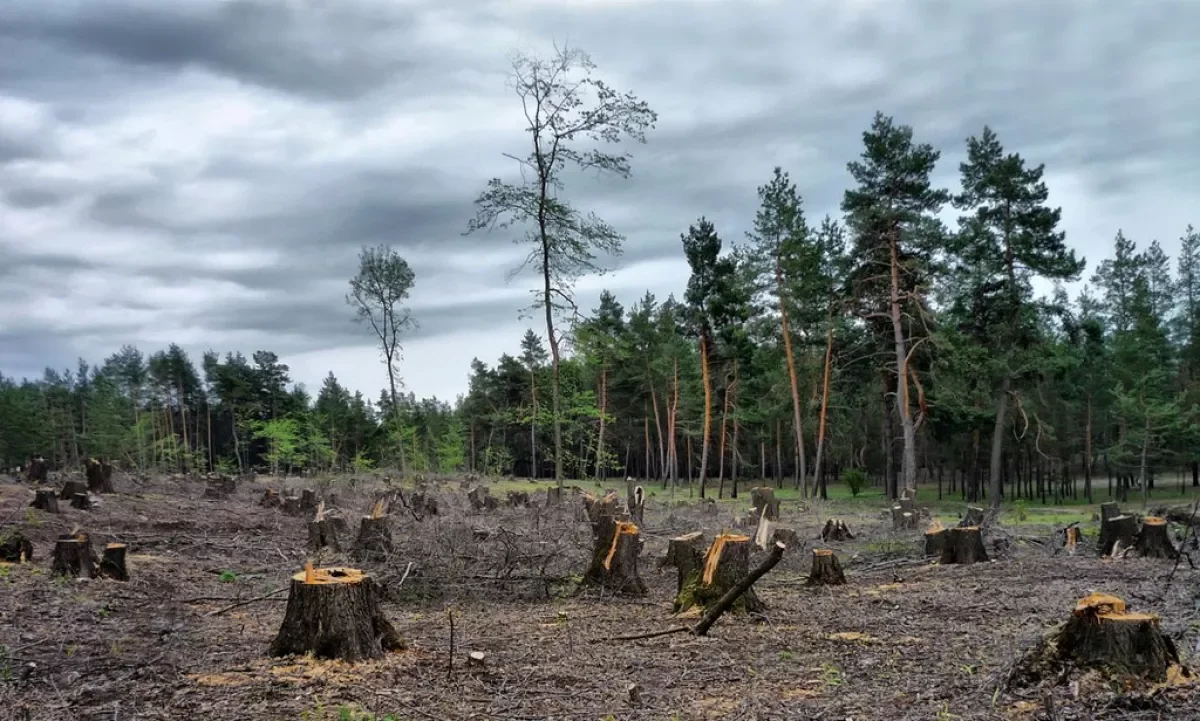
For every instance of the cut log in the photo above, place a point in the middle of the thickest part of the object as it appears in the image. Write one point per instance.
(99, 475)
(973, 517)
(518, 499)
(826, 570)
(1117, 535)
(270, 498)
(482, 499)
(904, 515)
(81, 501)
(685, 554)
(616, 545)
(112, 563)
(220, 488)
(1153, 541)
(836, 530)
(726, 562)
(334, 613)
(70, 488)
(15, 547)
(46, 500)
(73, 557)
(374, 541)
(963, 546)
(764, 502)
(1101, 635)
(935, 540)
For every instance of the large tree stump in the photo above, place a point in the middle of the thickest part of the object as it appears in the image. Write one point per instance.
(70, 489)
(764, 502)
(334, 613)
(963, 546)
(826, 570)
(81, 501)
(270, 498)
(112, 563)
(99, 475)
(73, 557)
(935, 540)
(685, 554)
(904, 515)
(1109, 509)
(15, 547)
(1153, 541)
(1117, 535)
(220, 488)
(616, 545)
(726, 562)
(36, 470)
(374, 541)
(836, 530)
(1101, 635)
(973, 517)
(46, 500)
(482, 499)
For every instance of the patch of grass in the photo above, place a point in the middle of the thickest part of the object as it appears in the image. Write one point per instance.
(228, 576)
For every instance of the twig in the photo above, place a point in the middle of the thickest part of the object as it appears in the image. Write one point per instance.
(239, 604)
(450, 659)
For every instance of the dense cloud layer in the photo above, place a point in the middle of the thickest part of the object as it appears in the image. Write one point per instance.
(205, 172)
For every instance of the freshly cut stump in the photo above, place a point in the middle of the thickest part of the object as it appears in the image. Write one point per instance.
(99, 476)
(973, 517)
(935, 540)
(112, 563)
(1153, 541)
(220, 488)
(685, 554)
(374, 541)
(270, 499)
(1117, 535)
(616, 545)
(1108, 510)
(15, 547)
(73, 557)
(904, 515)
(46, 500)
(1102, 635)
(726, 562)
(765, 503)
(963, 546)
(334, 613)
(826, 570)
(81, 501)
(836, 530)
(70, 489)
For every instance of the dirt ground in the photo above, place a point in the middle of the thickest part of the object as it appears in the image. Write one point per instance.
(904, 639)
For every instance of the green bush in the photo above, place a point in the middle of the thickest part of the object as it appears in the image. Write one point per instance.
(855, 479)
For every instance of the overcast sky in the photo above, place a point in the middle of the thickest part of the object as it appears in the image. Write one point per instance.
(205, 172)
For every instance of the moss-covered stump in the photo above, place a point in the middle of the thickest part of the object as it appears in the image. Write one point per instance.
(726, 562)
(73, 557)
(765, 503)
(685, 554)
(1117, 535)
(836, 530)
(1102, 635)
(1153, 541)
(963, 546)
(99, 475)
(334, 613)
(972, 517)
(46, 500)
(935, 541)
(374, 540)
(616, 546)
(15, 547)
(70, 489)
(826, 570)
(904, 515)
(112, 563)
(270, 498)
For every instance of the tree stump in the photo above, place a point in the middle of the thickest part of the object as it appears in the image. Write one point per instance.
(1117, 535)
(374, 541)
(81, 501)
(1153, 541)
(836, 530)
(764, 502)
(112, 563)
(73, 557)
(685, 554)
(963, 546)
(1101, 635)
(427, 505)
(904, 515)
(518, 499)
(220, 488)
(290, 505)
(726, 562)
(616, 545)
(15, 547)
(636, 501)
(46, 500)
(554, 496)
(36, 470)
(1071, 539)
(334, 613)
(308, 499)
(973, 517)
(935, 540)
(826, 570)
(70, 488)
(482, 499)
(270, 498)
(324, 529)
(1108, 510)
(99, 475)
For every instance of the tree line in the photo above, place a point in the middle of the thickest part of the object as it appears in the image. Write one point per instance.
(880, 344)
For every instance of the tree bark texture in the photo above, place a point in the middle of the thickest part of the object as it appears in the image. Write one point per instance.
(335, 614)
(726, 562)
(616, 545)
(963, 546)
(112, 563)
(826, 570)
(73, 557)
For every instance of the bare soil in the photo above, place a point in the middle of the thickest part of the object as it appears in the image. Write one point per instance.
(904, 639)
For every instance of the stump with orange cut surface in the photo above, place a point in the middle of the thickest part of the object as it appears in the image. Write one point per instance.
(1103, 635)
(334, 613)
(726, 562)
(935, 539)
(826, 571)
(1153, 541)
(73, 556)
(963, 546)
(112, 563)
(616, 546)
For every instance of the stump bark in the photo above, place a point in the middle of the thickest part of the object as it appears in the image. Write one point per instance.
(290, 505)
(220, 488)
(826, 570)
(726, 562)
(36, 470)
(963, 546)
(836, 530)
(1102, 634)
(270, 498)
(46, 500)
(99, 475)
(112, 563)
(15, 547)
(765, 503)
(70, 488)
(482, 499)
(1153, 541)
(616, 546)
(935, 541)
(73, 557)
(636, 501)
(323, 533)
(554, 496)
(685, 554)
(81, 501)
(334, 613)
(973, 517)
(1117, 535)
(374, 541)
(308, 499)
(904, 515)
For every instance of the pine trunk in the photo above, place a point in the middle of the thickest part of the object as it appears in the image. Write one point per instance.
(908, 430)
(707, 410)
